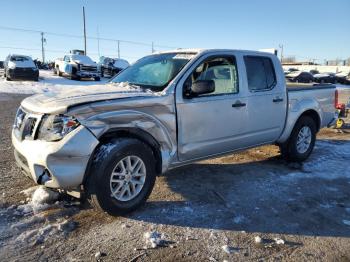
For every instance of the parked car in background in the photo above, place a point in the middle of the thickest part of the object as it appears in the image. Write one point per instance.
(111, 66)
(110, 142)
(343, 78)
(325, 78)
(20, 67)
(290, 70)
(300, 77)
(314, 72)
(1, 64)
(76, 67)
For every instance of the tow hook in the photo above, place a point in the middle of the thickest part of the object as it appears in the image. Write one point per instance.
(44, 177)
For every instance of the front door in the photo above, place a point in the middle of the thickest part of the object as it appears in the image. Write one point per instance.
(212, 123)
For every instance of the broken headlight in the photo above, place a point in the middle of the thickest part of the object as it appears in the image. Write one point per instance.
(55, 127)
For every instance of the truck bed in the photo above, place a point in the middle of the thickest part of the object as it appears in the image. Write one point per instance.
(300, 87)
(322, 94)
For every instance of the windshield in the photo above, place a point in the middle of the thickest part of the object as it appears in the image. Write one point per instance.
(19, 58)
(155, 71)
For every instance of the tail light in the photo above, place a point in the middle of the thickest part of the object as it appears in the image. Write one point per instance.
(339, 106)
(336, 99)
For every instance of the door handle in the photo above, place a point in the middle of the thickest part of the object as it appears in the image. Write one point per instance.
(277, 99)
(238, 104)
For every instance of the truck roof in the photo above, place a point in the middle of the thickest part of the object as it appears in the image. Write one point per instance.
(199, 50)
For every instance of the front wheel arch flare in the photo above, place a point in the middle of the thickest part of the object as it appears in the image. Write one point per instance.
(128, 133)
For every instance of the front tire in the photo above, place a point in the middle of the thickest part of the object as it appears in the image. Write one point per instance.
(301, 141)
(122, 176)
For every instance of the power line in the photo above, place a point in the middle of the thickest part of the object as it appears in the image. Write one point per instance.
(81, 36)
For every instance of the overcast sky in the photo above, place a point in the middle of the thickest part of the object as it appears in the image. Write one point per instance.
(307, 29)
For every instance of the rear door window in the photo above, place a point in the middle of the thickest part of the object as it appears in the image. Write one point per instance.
(260, 73)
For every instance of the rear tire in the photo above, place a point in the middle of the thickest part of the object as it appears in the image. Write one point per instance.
(301, 141)
(101, 191)
(7, 77)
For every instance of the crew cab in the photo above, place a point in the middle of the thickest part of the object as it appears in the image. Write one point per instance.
(77, 66)
(108, 143)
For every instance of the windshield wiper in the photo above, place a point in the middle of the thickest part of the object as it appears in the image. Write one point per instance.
(127, 84)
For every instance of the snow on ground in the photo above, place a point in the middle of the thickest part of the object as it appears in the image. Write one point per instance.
(48, 82)
(40, 219)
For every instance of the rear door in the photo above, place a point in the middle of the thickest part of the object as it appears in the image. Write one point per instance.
(267, 101)
(213, 123)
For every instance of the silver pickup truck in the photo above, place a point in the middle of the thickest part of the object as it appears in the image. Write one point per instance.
(168, 109)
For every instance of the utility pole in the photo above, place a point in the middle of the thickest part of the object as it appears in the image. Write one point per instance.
(84, 30)
(152, 47)
(98, 43)
(43, 40)
(281, 47)
(118, 48)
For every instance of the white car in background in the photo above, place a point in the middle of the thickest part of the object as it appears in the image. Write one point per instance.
(76, 67)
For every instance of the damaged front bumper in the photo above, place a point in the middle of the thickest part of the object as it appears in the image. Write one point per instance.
(60, 164)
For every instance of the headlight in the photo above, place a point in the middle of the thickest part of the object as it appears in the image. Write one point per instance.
(11, 65)
(55, 127)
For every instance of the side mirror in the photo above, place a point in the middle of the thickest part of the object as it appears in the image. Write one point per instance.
(201, 87)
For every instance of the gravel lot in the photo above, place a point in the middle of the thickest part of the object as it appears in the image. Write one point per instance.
(208, 211)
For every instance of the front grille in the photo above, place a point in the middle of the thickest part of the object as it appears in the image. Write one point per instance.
(23, 72)
(89, 68)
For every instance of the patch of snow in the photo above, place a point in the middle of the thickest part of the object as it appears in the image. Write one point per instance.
(29, 191)
(41, 234)
(43, 195)
(48, 82)
(153, 238)
(229, 250)
(324, 162)
(103, 151)
(39, 199)
(27, 223)
(66, 226)
(279, 241)
(98, 255)
(258, 239)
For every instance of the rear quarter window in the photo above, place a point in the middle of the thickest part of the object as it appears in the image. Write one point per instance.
(260, 73)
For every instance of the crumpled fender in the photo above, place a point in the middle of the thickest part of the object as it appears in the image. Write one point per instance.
(102, 123)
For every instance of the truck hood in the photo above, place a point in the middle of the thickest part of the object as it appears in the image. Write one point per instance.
(58, 103)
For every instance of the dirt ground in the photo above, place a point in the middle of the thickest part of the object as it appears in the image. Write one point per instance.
(209, 211)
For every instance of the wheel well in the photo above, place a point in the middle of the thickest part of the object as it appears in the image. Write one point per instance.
(314, 115)
(140, 135)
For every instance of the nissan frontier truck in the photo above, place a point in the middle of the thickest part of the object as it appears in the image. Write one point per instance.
(108, 143)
